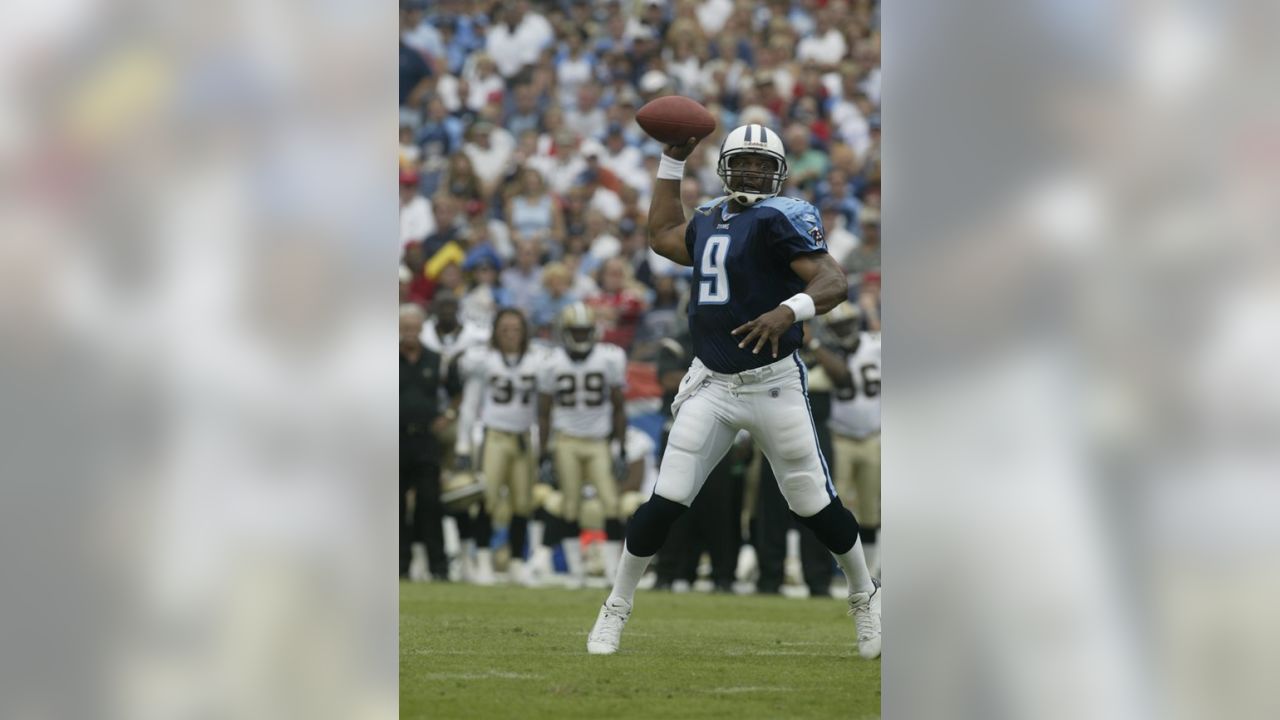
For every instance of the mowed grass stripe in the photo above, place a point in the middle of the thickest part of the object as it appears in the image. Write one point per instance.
(500, 652)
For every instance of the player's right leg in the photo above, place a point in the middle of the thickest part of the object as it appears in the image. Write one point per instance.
(699, 438)
(494, 463)
(569, 477)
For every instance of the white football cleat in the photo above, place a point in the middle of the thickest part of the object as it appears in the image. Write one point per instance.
(865, 610)
(607, 633)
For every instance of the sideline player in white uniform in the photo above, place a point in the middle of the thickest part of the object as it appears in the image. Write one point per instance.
(500, 395)
(855, 419)
(760, 267)
(581, 401)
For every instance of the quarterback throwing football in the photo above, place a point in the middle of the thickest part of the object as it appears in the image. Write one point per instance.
(760, 267)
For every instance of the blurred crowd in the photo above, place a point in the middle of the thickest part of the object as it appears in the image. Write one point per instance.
(525, 181)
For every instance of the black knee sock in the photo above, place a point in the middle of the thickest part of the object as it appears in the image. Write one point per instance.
(551, 528)
(519, 531)
(834, 525)
(482, 526)
(465, 525)
(869, 535)
(649, 526)
(614, 529)
(572, 530)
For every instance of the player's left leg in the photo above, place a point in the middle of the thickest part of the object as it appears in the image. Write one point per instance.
(598, 470)
(700, 437)
(783, 424)
(520, 483)
(867, 479)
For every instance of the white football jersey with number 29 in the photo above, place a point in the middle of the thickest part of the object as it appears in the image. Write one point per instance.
(580, 389)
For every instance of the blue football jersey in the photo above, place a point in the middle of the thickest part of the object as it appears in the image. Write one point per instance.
(741, 270)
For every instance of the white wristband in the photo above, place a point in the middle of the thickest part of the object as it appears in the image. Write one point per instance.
(802, 305)
(670, 168)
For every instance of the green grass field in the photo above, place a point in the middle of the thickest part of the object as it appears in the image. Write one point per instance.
(506, 652)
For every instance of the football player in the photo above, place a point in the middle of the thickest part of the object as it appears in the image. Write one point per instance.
(760, 267)
(854, 368)
(581, 400)
(500, 395)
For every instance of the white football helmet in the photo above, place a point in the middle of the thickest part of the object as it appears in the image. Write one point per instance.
(578, 328)
(752, 140)
(845, 322)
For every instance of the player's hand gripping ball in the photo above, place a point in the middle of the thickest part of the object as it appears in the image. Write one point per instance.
(766, 329)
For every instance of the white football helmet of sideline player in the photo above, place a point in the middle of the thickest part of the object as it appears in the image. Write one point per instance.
(578, 328)
(845, 322)
(750, 186)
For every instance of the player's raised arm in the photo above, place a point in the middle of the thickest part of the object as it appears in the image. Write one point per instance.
(666, 212)
(825, 287)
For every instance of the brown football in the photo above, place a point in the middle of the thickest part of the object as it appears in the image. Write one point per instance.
(673, 119)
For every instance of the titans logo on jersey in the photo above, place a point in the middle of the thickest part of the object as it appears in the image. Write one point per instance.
(741, 270)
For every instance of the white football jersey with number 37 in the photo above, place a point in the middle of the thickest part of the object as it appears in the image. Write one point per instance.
(580, 389)
(855, 412)
(510, 388)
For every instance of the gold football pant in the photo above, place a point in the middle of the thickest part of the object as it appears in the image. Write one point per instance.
(507, 461)
(585, 460)
(857, 474)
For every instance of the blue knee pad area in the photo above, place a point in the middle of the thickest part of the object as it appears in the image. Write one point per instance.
(834, 526)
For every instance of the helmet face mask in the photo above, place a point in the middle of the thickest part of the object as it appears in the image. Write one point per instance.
(753, 183)
(579, 339)
(845, 332)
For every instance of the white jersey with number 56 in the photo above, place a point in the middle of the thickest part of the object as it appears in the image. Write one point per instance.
(855, 412)
(580, 389)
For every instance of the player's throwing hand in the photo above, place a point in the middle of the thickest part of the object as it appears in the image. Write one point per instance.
(766, 329)
(681, 152)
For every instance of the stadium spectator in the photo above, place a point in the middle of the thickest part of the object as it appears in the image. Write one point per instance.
(489, 150)
(410, 153)
(487, 295)
(417, 287)
(840, 241)
(523, 280)
(449, 222)
(556, 293)
(806, 163)
(866, 256)
(586, 118)
(533, 214)
(417, 219)
(619, 303)
(415, 70)
(525, 113)
(517, 39)
(826, 45)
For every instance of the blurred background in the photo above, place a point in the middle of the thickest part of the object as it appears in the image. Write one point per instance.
(1082, 403)
(1081, 409)
(520, 156)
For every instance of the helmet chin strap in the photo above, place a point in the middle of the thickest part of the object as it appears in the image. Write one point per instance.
(745, 198)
